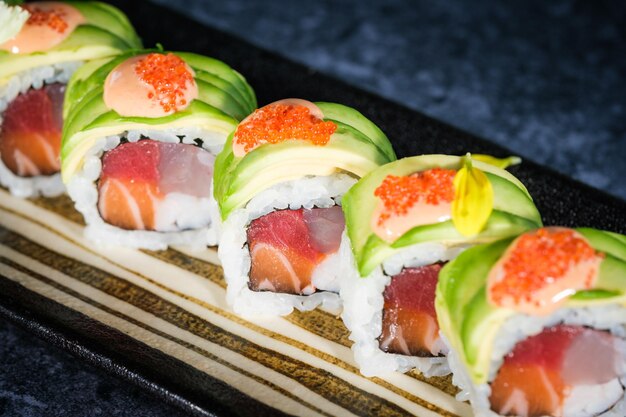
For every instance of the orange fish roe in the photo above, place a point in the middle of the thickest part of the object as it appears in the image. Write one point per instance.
(538, 260)
(279, 122)
(399, 194)
(51, 18)
(168, 75)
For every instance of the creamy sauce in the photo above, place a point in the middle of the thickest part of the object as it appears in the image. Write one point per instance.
(420, 214)
(579, 276)
(50, 24)
(130, 96)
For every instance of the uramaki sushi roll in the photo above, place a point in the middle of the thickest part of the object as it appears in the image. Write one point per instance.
(404, 221)
(140, 140)
(279, 184)
(537, 324)
(41, 45)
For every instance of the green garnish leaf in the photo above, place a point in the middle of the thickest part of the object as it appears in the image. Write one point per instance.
(498, 162)
(473, 199)
(594, 294)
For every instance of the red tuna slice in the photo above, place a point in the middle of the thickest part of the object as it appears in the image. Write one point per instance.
(325, 226)
(283, 229)
(30, 138)
(538, 374)
(409, 318)
(185, 169)
(282, 252)
(137, 161)
(136, 176)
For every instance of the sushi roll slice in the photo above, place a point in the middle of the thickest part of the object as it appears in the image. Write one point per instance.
(279, 184)
(404, 221)
(139, 144)
(537, 324)
(41, 45)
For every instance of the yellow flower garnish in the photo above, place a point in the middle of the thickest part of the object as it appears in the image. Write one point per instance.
(473, 199)
(497, 162)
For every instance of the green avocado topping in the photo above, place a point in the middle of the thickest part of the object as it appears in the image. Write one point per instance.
(224, 98)
(105, 33)
(513, 211)
(471, 323)
(357, 147)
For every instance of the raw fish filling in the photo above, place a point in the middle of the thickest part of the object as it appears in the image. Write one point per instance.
(151, 185)
(409, 318)
(564, 370)
(30, 135)
(288, 248)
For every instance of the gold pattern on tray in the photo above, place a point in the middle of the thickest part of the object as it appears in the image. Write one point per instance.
(174, 301)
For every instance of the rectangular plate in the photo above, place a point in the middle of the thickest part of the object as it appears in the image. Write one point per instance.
(159, 319)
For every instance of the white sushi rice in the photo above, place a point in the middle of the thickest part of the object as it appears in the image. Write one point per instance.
(46, 185)
(607, 400)
(307, 192)
(187, 220)
(363, 303)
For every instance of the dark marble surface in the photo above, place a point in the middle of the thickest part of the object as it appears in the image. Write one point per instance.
(545, 79)
(37, 379)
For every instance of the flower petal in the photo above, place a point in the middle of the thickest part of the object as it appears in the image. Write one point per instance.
(473, 199)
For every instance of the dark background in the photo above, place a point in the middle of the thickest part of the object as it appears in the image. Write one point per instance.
(545, 79)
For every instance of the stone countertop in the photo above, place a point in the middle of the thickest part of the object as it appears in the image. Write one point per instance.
(547, 80)
(37, 379)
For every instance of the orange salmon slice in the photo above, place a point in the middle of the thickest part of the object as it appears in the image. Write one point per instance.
(30, 133)
(527, 390)
(279, 270)
(128, 204)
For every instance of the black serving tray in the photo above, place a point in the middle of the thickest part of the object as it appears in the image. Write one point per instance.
(195, 353)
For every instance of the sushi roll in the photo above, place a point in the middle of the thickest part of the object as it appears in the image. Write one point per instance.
(404, 221)
(537, 324)
(279, 184)
(139, 144)
(41, 46)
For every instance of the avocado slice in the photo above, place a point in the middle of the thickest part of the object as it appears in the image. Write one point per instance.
(78, 141)
(221, 70)
(471, 324)
(220, 99)
(612, 243)
(109, 18)
(211, 88)
(247, 106)
(106, 32)
(514, 211)
(349, 150)
(75, 89)
(217, 108)
(341, 114)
